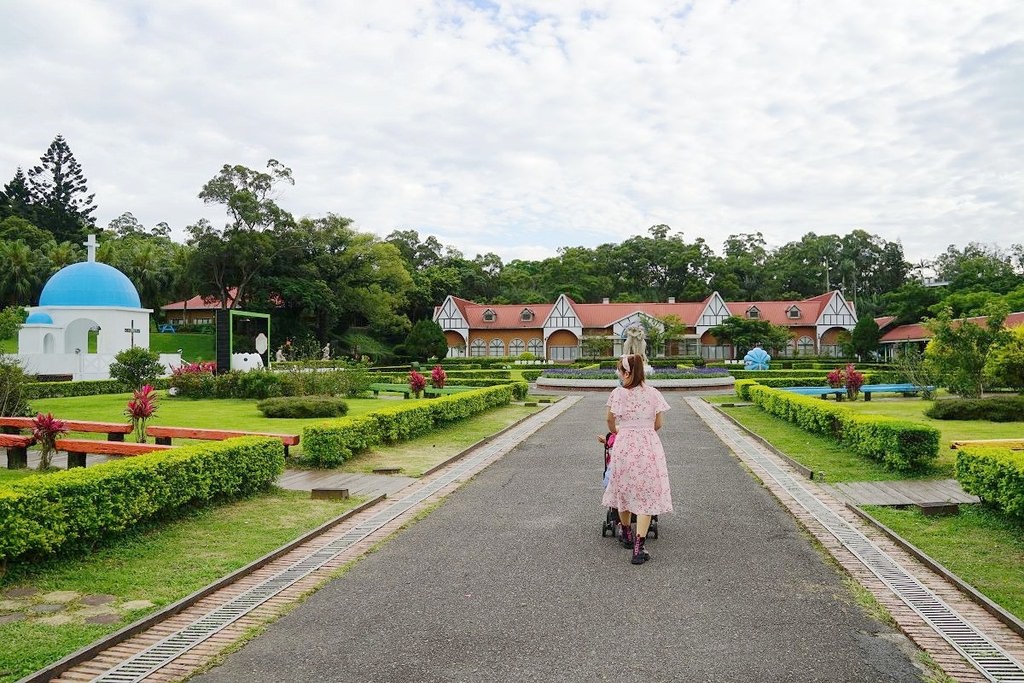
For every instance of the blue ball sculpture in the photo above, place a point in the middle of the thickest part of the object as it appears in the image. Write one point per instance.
(756, 359)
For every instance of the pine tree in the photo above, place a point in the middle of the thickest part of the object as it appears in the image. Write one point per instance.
(16, 198)
(58, 190)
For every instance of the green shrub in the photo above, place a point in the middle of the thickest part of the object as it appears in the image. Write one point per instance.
(74, 509)
(37, 390)
(13, 388)
(330, 443)
(996, 475)
(900, 445)
(303, 406)
(135, 367)
(531, 375)
(995, 409)
(742, 388)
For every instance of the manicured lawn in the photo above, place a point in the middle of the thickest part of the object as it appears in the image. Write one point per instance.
(817, 452)
(902, 408)
(419, 455)
(981, 546)
(228, 413)
(194, 347)
(9, 345)
(161, 565)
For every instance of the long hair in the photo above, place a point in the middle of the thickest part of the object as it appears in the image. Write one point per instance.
(634, 364)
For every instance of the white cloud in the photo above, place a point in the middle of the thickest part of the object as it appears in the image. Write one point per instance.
(520, 127)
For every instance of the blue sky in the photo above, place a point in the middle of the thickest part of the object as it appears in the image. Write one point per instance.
(521, 127)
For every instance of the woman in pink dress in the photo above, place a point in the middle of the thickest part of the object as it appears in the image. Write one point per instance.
(639, 477)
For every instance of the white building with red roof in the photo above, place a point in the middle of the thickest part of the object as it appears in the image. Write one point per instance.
(556, 331)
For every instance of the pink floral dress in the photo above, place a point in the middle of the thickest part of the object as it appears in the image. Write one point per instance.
(639, 476)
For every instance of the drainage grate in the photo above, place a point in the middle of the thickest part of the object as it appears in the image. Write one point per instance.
(991, 660)
(160, 654)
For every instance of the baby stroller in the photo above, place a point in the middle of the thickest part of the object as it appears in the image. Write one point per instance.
(611, 517)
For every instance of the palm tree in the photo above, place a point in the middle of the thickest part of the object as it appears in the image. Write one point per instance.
(20, 280)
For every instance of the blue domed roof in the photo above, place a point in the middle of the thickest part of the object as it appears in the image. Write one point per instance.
(39, 318)
(90, 284)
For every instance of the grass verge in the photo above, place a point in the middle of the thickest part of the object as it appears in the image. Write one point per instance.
(980, 545)
(419, 455)
(160, 565)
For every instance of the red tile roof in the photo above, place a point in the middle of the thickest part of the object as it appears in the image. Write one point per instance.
(884, 320)
(507, 316)
(199, 302)
(918, 332)
(605, 315)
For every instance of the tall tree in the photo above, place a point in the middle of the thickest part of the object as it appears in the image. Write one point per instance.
(16, 198)
(232, 257)
(60, 194)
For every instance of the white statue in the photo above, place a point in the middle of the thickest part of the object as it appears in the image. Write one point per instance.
(279, 356)
(326, 352)
(636, 343)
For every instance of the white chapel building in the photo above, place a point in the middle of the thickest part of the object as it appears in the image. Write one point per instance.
(78, 299)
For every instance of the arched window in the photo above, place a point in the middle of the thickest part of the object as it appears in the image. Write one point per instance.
(536, 347)
(805, 346)
(497, 347)
(478, 348)
(516, 347)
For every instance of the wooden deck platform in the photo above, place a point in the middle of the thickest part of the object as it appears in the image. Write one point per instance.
(368, 485)
(907, 492)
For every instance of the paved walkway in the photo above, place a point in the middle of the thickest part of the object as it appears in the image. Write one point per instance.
(510, 580)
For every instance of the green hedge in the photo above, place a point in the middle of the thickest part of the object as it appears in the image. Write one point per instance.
(92, 387)
(996, 475)
(995, 409)
(532, 375)
(900, 445)
(742, 388)
(303, 406)
(75, 508)
(330, 443)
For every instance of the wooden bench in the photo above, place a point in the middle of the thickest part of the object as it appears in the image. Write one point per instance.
(78, 449)
(1012, 444)
(824, 392)
(905, 389)
(163, 435)
(115, 431)
(17, 449)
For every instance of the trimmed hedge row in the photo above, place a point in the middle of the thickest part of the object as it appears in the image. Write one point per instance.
(995, 409)
(303, 406)
(330, 443)
(532, 375)
(75, 508)
(900, 445)
(91, 387)
(996, 475)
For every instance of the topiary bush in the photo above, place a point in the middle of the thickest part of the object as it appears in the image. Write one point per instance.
(994, 474)
(135, 367)
(74, 509)
(995, 409)
(303, 406)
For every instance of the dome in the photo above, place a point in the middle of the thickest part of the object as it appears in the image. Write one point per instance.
(90, 284)
(39, 319)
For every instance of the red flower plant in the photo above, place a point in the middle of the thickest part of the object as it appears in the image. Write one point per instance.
(836, 379)
(417, 383)
(141, 407)
(47, 429)
(854, 380)
(438, 377)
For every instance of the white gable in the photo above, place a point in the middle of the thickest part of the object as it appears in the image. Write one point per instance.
(714, 313)
(619, 327)
(836, 313)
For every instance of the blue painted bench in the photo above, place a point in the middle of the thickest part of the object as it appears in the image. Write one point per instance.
(817, 391)
(905, 389)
